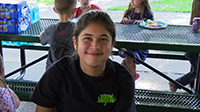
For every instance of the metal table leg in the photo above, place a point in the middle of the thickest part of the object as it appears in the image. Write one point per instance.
(197, 83)
(1, 49)
(23, 62)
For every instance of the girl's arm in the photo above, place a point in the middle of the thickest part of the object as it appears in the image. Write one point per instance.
(16, 98)
(43, 109)
(125, 99)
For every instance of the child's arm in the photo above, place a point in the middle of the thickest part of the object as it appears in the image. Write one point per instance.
(43, 109)
(16, 98)
(41, 34)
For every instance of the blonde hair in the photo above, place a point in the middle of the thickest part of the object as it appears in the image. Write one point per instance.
(195, 10)
(1, 68)
(144, 5)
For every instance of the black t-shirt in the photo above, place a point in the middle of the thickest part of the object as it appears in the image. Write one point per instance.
(65, 86)
(59, 37)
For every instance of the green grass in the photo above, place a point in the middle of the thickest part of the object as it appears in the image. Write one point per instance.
(165, 5)
(46, 2)
(160, 5)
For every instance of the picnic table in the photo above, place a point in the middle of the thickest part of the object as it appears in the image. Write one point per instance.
(172, 38)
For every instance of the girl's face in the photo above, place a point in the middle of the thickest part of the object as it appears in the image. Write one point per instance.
(85, 3)
(136, 3)
(94, 45)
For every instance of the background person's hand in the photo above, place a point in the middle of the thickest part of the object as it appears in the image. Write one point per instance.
(125, 20)
(137, 21)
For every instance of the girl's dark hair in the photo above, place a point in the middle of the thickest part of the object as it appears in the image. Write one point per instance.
(95, 16)
(144, 6)
(195, 10)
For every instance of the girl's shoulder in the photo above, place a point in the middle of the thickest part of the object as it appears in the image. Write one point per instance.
(93, 6)
(122, 74)
(118, 68)
(64, 62)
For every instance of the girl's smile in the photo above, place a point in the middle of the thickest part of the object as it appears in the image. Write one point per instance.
(93, 54)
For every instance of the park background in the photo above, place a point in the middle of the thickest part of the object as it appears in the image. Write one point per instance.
(168, 11)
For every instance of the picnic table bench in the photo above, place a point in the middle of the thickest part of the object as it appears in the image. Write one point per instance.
(146, 100)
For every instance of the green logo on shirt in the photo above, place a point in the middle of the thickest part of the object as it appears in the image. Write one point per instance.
(106, 98)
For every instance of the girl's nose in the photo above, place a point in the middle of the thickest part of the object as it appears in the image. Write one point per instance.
(95, 45)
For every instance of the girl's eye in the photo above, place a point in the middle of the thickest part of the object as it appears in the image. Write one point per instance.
(87, 38)
(104, 39)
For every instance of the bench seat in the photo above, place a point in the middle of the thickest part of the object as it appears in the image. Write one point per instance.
(146, 100)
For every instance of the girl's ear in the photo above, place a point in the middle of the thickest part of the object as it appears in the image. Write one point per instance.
(75, 43)
(113, 43)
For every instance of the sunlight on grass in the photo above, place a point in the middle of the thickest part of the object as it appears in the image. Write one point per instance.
(165, 5)
(160, 5)
(47, 2)
(172, 5)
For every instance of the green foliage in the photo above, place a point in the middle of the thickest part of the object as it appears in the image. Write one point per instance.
(165, 5)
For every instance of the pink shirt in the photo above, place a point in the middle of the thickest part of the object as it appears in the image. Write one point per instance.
(79, 11)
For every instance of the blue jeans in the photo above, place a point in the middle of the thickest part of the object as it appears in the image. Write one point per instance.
(190, 76)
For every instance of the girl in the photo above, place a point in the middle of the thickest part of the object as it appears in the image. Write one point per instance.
(137, 12)
(192, 57)
(85, 6)
(87, 81)
(9, 101)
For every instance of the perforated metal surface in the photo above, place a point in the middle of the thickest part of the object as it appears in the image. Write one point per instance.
(39, 26)
(166, 52)
(179, 34)
(21, 85)
(167, 99)
(142, 97)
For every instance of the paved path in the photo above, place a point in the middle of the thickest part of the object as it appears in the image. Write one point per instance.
(148, 80)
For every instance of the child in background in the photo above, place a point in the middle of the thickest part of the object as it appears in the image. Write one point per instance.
(59, 36)
(85, 6)
(192, 57)
(87, 81)
(137, 12)
(9, 101)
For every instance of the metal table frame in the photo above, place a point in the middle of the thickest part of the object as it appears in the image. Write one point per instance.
(128, 36)
(157, 99)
